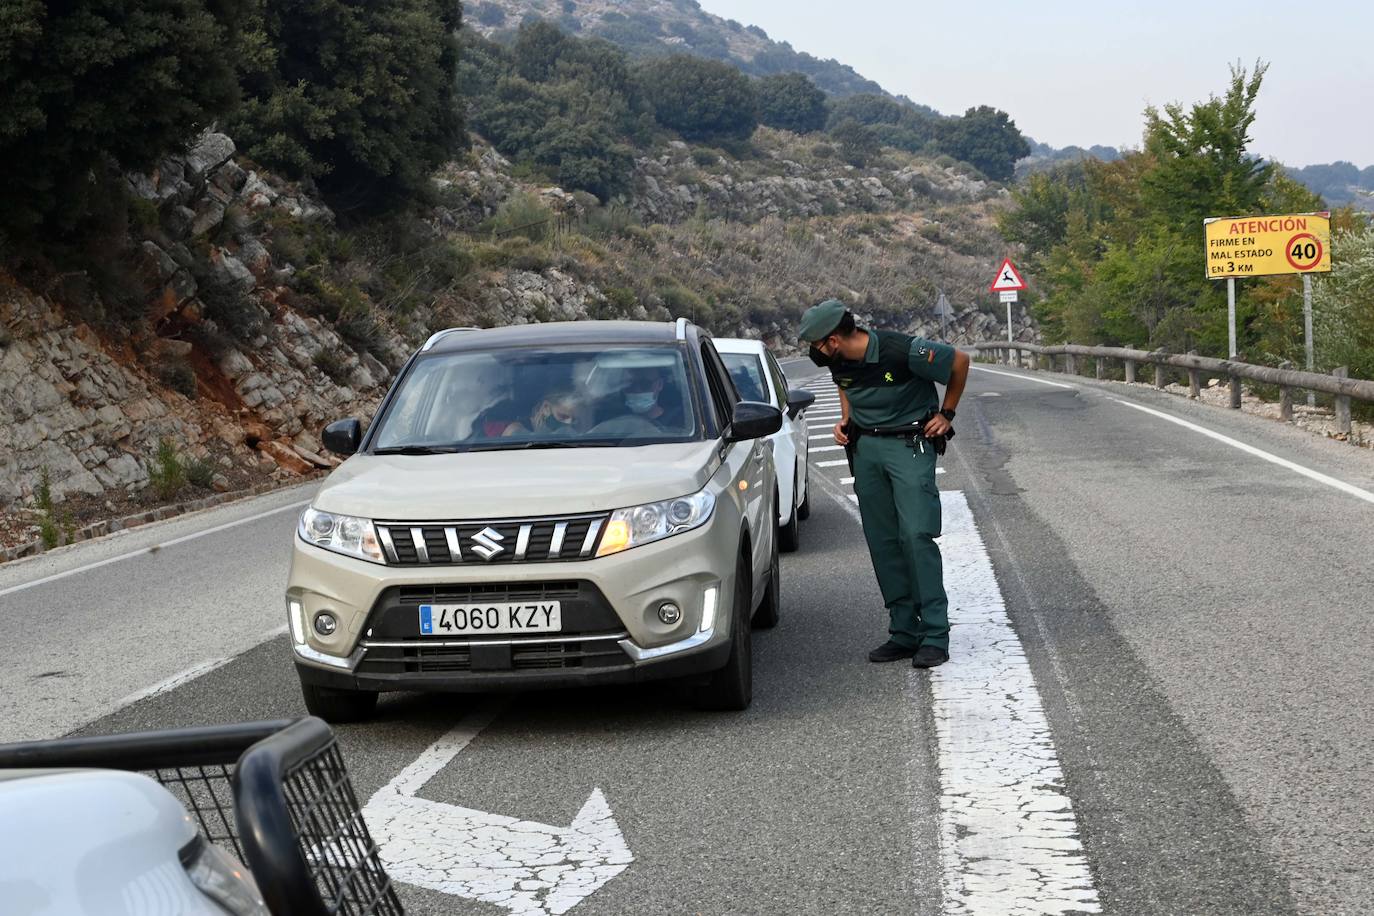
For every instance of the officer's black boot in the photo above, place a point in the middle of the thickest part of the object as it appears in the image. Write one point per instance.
(929, 657)
(890, 652)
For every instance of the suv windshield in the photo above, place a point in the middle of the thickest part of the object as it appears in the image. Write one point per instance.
(540, 398)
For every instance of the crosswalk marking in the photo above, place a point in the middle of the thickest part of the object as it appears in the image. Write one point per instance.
(827, 448)
(830, 464)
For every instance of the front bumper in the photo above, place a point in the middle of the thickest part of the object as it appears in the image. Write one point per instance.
(611, 630)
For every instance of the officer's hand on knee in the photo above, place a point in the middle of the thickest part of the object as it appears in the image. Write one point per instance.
(840, 437)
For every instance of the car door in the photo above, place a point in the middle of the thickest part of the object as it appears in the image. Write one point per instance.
(795, 427)
(755, 470)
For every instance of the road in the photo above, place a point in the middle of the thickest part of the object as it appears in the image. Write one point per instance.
(1158, 699)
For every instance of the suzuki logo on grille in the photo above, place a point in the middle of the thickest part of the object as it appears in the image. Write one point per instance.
(488, 542)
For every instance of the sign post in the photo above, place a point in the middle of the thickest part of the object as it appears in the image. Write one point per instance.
(1307, 330)
(942, 308)
(1266, 246)
(1006, 285)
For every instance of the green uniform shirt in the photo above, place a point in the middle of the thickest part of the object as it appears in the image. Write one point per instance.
(895, 383)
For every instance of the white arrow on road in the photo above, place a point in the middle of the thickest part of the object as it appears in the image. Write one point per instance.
(524, 866)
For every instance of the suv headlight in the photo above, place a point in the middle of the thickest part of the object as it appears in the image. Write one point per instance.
(355, 537)
(655, 521)
(219, 876)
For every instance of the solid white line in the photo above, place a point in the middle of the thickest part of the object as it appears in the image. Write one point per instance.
(831, 464)
(827, 448)
(846, 480)
(1025, 378)
(186, 675)
(1009, 840)
(1341, 485)
(147, 550)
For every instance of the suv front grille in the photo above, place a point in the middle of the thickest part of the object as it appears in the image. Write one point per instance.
(539, 540)
(418, 657)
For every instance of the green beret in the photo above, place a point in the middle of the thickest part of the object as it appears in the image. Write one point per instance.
(820, 321)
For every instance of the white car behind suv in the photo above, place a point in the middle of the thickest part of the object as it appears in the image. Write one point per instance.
(758, 377)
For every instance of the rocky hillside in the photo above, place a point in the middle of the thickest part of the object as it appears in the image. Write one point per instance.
(263, 319)
(648, 27)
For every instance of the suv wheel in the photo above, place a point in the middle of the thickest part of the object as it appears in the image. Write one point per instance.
(789, 535)
(338, 705)
(732, 687)
(804, 510)
(766, 617)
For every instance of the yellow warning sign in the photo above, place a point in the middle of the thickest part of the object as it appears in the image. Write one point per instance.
(1261, 246)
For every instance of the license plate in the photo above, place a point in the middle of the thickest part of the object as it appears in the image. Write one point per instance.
(498, 617)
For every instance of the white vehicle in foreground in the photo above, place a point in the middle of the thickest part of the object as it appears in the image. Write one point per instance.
(758, 377)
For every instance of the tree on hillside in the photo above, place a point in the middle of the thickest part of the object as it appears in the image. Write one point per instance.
(859, 143)
(359, 96)
(987, 139)
(74, 72)
(537, 49)
(790, 101)
(700, 99)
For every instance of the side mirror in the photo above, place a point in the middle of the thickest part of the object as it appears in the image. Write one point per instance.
(753, 420)
(343, 436)
(798, 399)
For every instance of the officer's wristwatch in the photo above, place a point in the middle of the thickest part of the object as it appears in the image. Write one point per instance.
(947, 413)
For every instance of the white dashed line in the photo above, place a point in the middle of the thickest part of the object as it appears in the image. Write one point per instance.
(846, 481)
(831, 464)
(1009, 841)
(827, 448)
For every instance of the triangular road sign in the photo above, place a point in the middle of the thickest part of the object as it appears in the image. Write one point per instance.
(1008, 278)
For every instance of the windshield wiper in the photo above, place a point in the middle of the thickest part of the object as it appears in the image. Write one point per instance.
(416, 450)
(545, 443)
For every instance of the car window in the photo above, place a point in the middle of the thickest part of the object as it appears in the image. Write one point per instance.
(723, 392)
(746, 371)
(545, 397)
(779, 380)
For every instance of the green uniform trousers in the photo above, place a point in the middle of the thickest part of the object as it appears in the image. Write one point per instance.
(900, 505)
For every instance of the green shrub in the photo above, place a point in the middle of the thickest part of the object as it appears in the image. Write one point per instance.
(178, 376)
(522, 214)
(332, 364)
(167, 476)
(201, 473)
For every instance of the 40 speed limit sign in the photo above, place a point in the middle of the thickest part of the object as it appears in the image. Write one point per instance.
(1261, 246)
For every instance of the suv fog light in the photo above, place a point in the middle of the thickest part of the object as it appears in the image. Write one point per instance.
(669, 613)
(325, 623)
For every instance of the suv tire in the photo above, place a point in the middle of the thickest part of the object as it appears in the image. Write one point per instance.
(731, 688)
(766, 616)
(338, 705)
(804, 510)
(789, 535)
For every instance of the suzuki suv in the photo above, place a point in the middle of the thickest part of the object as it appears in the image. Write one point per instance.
(541, 506)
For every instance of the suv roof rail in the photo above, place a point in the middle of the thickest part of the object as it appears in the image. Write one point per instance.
(435, 337)
(681, 328)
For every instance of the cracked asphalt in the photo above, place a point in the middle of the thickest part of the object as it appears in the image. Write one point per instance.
(1195, 621)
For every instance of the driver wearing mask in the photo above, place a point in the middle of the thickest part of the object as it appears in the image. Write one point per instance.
(643, 393)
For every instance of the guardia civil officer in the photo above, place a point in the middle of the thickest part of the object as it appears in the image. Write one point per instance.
(893, 425)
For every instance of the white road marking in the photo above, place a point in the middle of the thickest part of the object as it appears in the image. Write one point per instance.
(151, 549)
(186, 675)
(828, 436)
(854, 499)
(1025, 378)
(1341, 485)
(524, 866)
(939, 470)
(846, 480)
(1009, 840)
(827, 448)
(831, 464)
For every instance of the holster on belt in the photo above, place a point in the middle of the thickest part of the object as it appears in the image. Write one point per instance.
(911, 432)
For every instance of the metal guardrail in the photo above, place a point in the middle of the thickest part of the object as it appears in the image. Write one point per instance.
(1338, 383)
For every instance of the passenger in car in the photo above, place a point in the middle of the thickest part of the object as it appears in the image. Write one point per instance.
(555, 415)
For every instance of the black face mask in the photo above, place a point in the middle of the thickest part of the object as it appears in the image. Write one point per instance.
(819, 357)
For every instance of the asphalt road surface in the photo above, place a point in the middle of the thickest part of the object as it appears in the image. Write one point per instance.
(1159, 698)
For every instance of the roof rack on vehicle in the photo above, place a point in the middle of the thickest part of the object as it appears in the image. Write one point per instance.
(434, 338)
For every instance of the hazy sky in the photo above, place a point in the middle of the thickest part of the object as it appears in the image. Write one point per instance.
(1071, 72)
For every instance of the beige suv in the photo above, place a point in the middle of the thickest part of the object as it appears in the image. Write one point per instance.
(541, 506)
